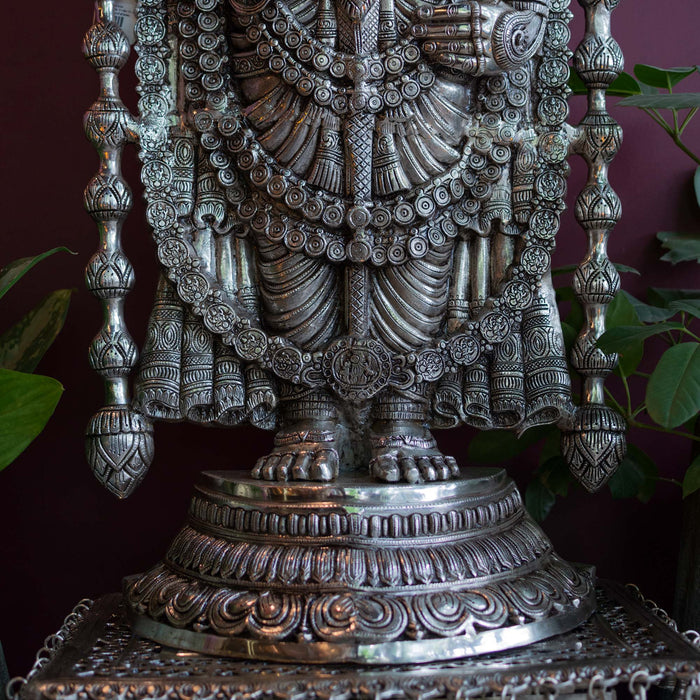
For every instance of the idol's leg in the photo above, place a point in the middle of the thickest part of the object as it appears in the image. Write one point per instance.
(306, 445)
(408, 308)
(301, 300)
(403, 448)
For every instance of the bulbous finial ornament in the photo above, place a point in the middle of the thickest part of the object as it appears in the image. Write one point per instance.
(106, 46)
(119, 448)
(594, 444)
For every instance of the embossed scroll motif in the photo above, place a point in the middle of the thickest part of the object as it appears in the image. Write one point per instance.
(388, 573)
(354, 206)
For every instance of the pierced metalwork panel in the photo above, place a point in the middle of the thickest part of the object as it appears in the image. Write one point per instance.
(627, 641)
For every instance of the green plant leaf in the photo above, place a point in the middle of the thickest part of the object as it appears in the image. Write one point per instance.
(570, 334)
(23, 345)
(663, 297)
(664, 78)
(626, 339)
(624, 85)
(649, 469)
(696, 184)
(679, 100)
(539, 500)
(636, 476)
(621, 313)
(575, 317)
(627, 479)
(28, 401)
(498, 446)
(673, 390)
(555, 474)
(576, 85)
(12, 273)
(691, 480)
(689, 306)
(681, 247)
(563, 270)
(647, 313)
(626, 268)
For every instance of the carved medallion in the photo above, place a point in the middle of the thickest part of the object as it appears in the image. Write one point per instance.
(356, 368)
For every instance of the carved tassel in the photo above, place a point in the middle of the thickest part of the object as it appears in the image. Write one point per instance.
(498, 206)
(326, 25)
(524, 180)
(183, 171)
(210, 209)
(386, 37)
(327, 171)
(388, 175)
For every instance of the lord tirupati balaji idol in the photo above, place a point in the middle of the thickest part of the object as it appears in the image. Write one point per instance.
(354, 204)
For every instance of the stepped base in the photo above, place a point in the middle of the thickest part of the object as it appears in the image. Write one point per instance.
(350, 572)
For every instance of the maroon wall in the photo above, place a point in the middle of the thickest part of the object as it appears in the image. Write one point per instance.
(63, 537)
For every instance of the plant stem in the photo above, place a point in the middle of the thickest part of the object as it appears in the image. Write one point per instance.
(626, 385)
(687, 119)
(616, 404)
(677, 140)
(675, 134)
(690, 333)
(659, 120)
(667, 431)
(638, 410)
(669, 480)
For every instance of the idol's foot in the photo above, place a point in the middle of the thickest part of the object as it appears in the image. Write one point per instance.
(300, 455)
(410, 456)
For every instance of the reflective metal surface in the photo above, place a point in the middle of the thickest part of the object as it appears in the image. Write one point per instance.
(345, 572)
(354, 206)
(627, 644)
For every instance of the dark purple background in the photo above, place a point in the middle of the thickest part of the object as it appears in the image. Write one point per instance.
(64, 537)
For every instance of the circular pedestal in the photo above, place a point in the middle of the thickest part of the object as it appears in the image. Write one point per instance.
(358, 573)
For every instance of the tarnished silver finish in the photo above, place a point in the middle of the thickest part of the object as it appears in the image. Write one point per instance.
(354, 206)
(350, 572)
(593, 454)
(119, 442)
(625, 645)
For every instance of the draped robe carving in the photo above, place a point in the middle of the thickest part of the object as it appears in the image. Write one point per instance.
(372, 203)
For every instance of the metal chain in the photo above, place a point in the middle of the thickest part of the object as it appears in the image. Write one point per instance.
(51, 645)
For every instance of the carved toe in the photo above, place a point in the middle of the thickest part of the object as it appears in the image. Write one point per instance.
(452, 465)
(385, 468)
(269, 471)
(284, 467)
(441, 468)
(325, 466)
(410, 471)
(426, 468)
(300, 471)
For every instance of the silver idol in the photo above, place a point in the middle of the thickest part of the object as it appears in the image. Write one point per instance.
(355, 204)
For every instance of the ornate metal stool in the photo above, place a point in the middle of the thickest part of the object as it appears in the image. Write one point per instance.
(627, 644)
